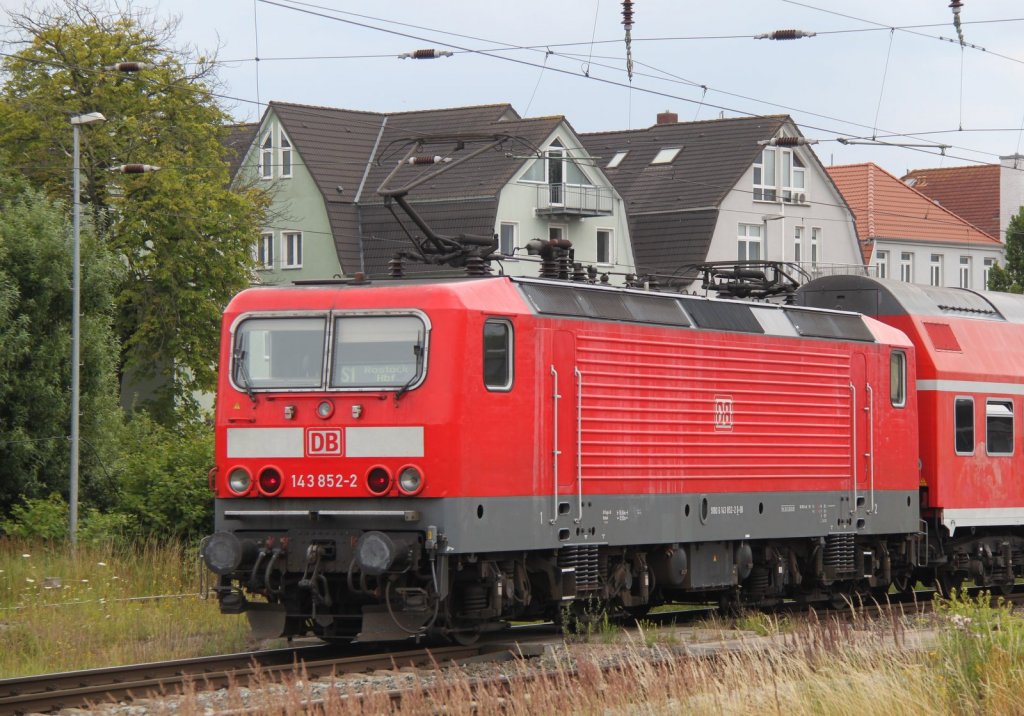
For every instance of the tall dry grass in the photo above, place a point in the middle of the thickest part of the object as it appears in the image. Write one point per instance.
(968, 659)
(105, 605)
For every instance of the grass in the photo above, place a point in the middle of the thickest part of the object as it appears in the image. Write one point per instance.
(973, 665)
(104, 606)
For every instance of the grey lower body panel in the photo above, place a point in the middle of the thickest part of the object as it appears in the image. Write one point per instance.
(509, 524)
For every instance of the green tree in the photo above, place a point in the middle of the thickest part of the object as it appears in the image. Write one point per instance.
(183, 234)
(35, 348)
(1014, 270)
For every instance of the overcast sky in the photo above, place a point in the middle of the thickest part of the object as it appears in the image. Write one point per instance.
(858, 78)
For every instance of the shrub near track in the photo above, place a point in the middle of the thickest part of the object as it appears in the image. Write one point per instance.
(105, 605)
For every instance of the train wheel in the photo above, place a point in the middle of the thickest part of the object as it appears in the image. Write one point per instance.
(948, 582)
(466, 637)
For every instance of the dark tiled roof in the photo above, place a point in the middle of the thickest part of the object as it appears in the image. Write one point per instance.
(237, 143)
(970, 192)
(356, 150)
(713, 157)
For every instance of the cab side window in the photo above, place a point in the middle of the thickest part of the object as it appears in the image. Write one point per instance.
(898, 379)
(498, 354)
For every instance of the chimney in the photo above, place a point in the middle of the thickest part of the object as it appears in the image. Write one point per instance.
(667, 117)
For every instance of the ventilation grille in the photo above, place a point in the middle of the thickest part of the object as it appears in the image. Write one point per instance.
(584, 559)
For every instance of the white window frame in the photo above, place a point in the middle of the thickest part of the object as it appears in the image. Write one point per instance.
(935, 270)
(263, 251)
(609, 249)
(287, 155)
(561, 230)
(785, 182)
(293, 259)
(798, 238)
(965, 271)
(616, 159)
(666, 155)
(514, 243)
(815, 245)
(266, 150)
(987, 265)
(882, 263)
(906, 267)
(747, 236)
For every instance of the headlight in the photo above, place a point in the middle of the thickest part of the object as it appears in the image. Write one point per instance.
(270, 481)
(410, 480)
(378, 480)
(239, 481)
(325, 409)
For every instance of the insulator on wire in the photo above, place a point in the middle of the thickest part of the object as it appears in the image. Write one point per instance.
(425, 159)
(134, 169)
(784, 35)
(129, 66)
(430, 54)
(787, 141)
(627, 22)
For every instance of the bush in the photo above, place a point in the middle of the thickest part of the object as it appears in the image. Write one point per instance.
(43, 518)
(162, 477)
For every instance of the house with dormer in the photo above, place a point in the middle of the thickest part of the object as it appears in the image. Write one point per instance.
(907, 236)
(748, 188)
(323, 167)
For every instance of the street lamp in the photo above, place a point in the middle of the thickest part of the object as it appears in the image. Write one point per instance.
(77, 121)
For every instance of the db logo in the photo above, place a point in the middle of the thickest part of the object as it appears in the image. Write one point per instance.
(323, 442)
(723, 413)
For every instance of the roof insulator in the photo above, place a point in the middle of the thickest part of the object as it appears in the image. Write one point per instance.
(424, 159)
(430, 54)
(784, 35)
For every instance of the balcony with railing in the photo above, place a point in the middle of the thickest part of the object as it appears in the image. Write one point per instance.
(574, 200)
(817, 269)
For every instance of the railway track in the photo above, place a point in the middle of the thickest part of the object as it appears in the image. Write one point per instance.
(81, 689)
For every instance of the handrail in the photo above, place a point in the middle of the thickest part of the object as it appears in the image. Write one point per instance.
(853, 481)
(579, 442)
(870, 408)
(555, 451)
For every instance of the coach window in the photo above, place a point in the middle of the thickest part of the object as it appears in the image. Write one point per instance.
(963, 420)
(279, 353)
(378, 352)
(898, 379)
(498, 354)
(999, 427)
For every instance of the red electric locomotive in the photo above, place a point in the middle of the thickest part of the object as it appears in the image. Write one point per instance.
(970, 383)
(399, 458)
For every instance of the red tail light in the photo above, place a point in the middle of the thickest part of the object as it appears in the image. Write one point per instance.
(271, 481)
(378, 480)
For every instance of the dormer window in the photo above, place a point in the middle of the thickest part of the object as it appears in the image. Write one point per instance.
(665, 156)
(616, 160)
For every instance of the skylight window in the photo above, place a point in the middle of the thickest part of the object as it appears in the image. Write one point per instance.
(665, 156)
(616, 160)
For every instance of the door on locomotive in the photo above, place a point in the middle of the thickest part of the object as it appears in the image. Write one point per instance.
(862, 440)
(563, 398)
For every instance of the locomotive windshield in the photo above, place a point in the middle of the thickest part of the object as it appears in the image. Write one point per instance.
(275, 353)
(376, 351)
(366, 352)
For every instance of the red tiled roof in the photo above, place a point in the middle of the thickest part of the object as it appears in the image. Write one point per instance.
(886, 208)
(970, 192)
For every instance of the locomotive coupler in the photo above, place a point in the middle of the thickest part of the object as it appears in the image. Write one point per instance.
(313, 578)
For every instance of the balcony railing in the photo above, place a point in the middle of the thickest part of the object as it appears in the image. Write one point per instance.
(574, 200)
(817, 269)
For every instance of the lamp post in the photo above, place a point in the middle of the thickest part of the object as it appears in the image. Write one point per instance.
(77, 121)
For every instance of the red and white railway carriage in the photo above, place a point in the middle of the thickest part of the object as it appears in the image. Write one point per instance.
(405, 457)
(970, 383)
